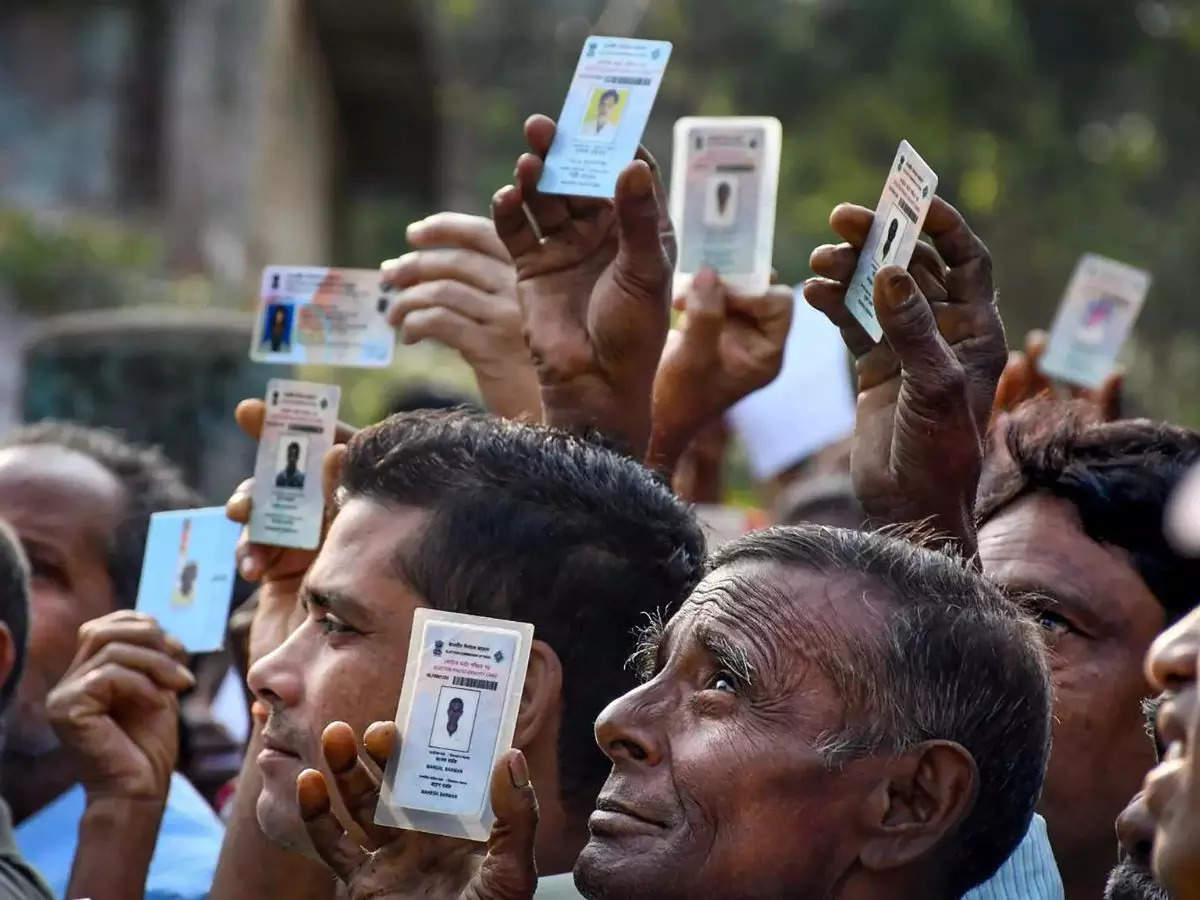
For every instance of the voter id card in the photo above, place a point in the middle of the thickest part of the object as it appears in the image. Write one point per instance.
(907, 193)
(298, 430)
(1101, 303)
(457, 713)
(604, 115)
(187, 575)
(334, 317)
(724, 179)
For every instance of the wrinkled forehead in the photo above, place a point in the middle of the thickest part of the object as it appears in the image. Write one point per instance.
(783, 615)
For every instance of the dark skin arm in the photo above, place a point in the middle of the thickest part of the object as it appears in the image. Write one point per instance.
(594, 287)
(926, 391)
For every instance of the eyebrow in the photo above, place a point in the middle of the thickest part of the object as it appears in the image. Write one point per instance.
(337, 602)
(649, 646)
(1031, 597)
(728, 654)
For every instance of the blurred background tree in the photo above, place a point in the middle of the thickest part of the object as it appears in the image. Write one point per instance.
(196, 141)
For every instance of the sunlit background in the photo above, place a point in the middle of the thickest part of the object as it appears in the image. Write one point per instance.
(155, 155)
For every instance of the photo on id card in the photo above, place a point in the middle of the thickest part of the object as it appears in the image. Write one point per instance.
(895, 230)
(724, 179)
(458, 709)
(1101, 303)
(326, 316)
(298, 430)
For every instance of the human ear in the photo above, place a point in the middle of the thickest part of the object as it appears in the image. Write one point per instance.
(541, 696)
(922, 797)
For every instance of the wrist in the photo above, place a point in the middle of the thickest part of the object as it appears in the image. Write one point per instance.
(117, 836)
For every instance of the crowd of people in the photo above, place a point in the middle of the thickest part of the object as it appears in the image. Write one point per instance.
(963, 663)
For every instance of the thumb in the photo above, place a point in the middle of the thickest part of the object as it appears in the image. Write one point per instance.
(640, 255)
(508, 872)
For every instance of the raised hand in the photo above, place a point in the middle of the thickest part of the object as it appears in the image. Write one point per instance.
(1021, 380)
(403, 864)
(727, 347)
(594, 286)
(459, 287)
(117, 707)
(926, 391)
(278, 569)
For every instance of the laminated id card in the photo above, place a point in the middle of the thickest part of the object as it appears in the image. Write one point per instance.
(723, 184)
(457, 713)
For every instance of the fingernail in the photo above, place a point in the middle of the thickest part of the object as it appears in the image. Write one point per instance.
(258, 711)
(247, 567)
(518, 771)
(706, 278)
(640, 182)
(897, 289)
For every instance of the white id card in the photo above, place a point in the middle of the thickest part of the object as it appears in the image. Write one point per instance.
(457, 713)
(724, 179)
(907, 193)
(334, 317)
(1102, 301)
(604, 115)
(289, 498)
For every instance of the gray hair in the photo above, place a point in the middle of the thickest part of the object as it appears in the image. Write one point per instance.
(954, 659)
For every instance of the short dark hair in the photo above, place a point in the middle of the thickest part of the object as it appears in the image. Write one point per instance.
(955, 659)
(1118, 476)
(537, 525)
(14, 605)
(151, 484)
(616, 95)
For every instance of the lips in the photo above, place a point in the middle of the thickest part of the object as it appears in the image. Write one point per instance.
(614, 818)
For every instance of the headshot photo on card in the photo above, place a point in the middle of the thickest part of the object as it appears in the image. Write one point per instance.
(277, 328)
(291, 460)
(603, 116)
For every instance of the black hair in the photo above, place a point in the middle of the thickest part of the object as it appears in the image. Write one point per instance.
(1118, 476)
(151, 484)
(954, 659)
(14, 605)
(611, 93)
(536, 525)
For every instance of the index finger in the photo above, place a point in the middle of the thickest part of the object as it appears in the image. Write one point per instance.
(251, 413)
(452, 229)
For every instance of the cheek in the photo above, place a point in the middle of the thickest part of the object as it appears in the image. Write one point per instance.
(357, 685)
(55, 617)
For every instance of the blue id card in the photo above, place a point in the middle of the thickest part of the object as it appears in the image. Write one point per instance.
(604, 115)
(187, 575)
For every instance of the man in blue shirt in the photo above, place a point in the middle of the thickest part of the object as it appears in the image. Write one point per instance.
(79, 500)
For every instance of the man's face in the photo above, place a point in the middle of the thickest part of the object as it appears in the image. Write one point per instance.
(1099, 620)
(605, 108)
(293, 455)
(714, 759)
(345, 661)
(277, 322)
(1173, 788)
(65, 508)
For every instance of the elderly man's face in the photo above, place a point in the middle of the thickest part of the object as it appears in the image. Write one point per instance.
(1172, 789)
(1099, 618)
(717, 788)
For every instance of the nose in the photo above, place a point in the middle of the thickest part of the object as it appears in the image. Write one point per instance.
(277, 679)
(1135, 831)
(626, 731)
(1171, 662)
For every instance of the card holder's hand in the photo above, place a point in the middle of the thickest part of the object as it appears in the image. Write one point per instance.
(727, 347)
(401, 863)
(926, 391)
(278, 570)
(459, 287)
(594, 285)
(1023, 380)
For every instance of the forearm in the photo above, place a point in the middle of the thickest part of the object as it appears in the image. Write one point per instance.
(116, 842)
(251, 866)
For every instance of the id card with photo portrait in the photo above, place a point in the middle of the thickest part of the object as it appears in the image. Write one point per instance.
(187, 575)
(326, 316)
(604, 115)
(298, 430)
(907, 194)
(458, 710)
(724, 179)
(1101, 303)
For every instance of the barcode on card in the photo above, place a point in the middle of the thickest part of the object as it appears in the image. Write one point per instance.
(908, 210)
(479, 683)
(625, 79)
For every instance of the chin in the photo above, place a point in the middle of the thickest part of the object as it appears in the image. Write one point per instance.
(604, 871)
(279, 819)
